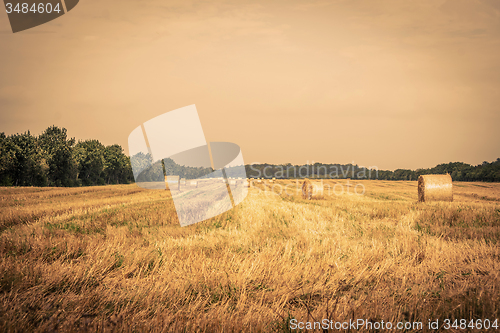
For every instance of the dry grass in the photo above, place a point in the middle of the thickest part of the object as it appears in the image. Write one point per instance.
(115, 258)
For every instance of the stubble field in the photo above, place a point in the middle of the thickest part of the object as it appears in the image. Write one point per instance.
(114, 258)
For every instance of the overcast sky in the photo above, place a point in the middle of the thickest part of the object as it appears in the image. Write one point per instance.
(393, 84)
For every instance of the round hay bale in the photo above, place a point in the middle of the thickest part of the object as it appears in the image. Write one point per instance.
(318, 189)
(173, 182)
(435, 188)
(307, 189)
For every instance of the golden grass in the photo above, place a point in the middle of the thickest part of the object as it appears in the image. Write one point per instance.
(115, 258)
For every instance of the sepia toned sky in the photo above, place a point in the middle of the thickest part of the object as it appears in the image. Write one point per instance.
(392, 84)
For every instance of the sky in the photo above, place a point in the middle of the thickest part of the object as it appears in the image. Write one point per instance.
(390, 83)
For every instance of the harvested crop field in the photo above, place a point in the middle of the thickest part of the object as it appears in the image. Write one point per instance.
(114, 258)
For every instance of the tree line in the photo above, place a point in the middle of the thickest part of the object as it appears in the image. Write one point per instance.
(487, 172)
(146, 170)
(53, 159)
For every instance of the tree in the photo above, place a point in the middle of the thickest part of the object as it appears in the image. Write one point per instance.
(58, 151)
(27, 161)
(117, 166)
(89, 157)
(7, 158)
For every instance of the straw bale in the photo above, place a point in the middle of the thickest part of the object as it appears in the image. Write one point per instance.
(435, 188)
(318, 189)
(307, 189)
(173, 182)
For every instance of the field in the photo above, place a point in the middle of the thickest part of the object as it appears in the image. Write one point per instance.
(114, 258)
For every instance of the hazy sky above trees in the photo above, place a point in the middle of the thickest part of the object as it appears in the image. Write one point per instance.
(393, 84)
